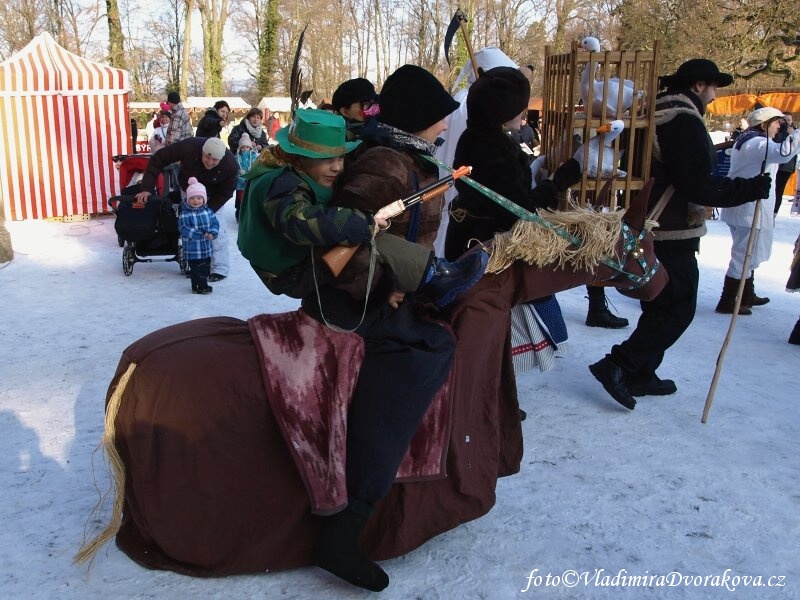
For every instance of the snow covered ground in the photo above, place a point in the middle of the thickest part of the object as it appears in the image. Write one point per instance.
(651, 493)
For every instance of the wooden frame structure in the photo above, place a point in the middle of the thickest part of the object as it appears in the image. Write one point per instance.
(565, 122)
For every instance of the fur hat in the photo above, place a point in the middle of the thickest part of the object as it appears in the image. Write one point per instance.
(762, 115)
(245, 141)
(315, 133)
(195, 188)
(696, 69)
(174, 98)
(214, 147)
(499, 95)
(412, 99)
(353, 90)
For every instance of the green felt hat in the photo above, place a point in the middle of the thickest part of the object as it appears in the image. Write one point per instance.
(316, 134)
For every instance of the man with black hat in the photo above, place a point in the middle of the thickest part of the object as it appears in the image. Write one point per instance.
(356, 100)
(180, 127)
(682, 166)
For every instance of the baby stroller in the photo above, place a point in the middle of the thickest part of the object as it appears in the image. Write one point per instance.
(148, 230)
(145, 231)
(131, 169)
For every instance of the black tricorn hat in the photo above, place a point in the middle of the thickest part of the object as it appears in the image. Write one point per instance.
(696, 69)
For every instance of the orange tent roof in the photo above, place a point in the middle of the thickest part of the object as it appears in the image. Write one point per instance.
(740, 103)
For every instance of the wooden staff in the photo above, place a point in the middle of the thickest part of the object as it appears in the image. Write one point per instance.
(462, 22)
(745, 272)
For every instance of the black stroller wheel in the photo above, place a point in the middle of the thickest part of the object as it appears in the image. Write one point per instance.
(128, 258)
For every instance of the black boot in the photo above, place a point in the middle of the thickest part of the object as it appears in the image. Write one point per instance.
(749, 297)
(446, 280)
(727, 301)
(337, 549)
(651, 385)
(599, 315)
(613, 379)
(794, 337)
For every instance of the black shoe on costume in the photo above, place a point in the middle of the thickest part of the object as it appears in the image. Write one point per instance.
(216, 277)
(203, 290)
(613, 379)
(446, 280)
(653, 386)
(604, 318)
(337, 552)
(794, 337)
(599, 315)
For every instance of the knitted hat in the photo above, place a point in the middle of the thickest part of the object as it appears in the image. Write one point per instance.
(353, 90)
(165, 106)
(215, 148)
(245, 141)
(696, 69)
(499, 95)
(412, 99)
(762, 115)
(174, 98)
(315, 133)
(195, 188)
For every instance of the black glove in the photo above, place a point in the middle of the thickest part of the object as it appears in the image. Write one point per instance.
(546, 195)
(761, 185)
(567, 175)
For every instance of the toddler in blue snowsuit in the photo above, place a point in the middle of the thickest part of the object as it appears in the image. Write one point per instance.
(198, 226)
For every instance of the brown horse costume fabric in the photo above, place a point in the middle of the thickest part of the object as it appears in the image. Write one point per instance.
(309, 387)
(210, 486)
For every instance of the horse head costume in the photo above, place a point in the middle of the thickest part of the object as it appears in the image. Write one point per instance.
(222, 474)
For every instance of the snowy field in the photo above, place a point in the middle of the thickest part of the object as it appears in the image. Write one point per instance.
(604, 495)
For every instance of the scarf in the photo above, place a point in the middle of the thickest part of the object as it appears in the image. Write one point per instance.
(749, 134)
(255, 132)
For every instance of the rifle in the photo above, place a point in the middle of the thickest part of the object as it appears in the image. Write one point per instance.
(337, 257)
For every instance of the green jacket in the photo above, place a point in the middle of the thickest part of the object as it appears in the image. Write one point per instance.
(285, 214)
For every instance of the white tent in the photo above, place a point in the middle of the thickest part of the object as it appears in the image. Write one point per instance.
(281, 104)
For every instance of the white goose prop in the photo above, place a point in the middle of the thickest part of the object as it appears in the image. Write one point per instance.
(594, 97)
(606, 134)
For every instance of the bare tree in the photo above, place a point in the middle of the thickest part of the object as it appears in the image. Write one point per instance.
(213, 15)
(187, 47)
(116, 39)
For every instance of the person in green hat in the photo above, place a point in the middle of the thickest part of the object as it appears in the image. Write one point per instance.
(291, 222)
(288, 220)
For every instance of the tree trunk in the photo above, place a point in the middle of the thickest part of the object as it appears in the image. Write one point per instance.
(187, 48)
(213, 14)
(116, 39)
(268, 50)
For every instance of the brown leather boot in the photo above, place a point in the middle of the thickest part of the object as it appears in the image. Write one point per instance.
(749, 294)
(728, 299)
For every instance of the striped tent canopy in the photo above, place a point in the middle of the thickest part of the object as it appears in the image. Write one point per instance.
(62, 118)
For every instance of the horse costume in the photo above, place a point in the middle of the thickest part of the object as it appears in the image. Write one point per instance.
(215, 477)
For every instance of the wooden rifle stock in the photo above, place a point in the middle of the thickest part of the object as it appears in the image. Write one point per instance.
(337, 257)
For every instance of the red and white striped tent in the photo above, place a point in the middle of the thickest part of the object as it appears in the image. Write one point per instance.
(62, 118)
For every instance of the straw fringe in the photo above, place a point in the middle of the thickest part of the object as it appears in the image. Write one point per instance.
(89, 548)
(535, 245)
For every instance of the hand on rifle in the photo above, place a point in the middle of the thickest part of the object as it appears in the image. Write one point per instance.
(380, 224)
(395, 298)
